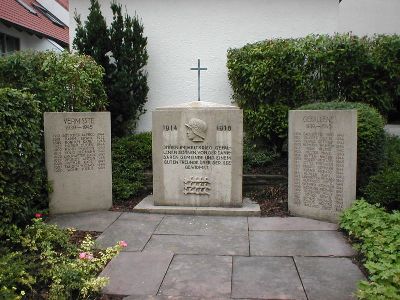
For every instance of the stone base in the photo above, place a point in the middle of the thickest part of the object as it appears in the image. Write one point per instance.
(249, 209)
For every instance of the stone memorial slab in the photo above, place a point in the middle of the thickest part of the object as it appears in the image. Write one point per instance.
(78, 161)
(322, 162)
(197, 155)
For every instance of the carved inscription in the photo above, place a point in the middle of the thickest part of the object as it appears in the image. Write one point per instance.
(318, 163)
(197, 186)
(197, 157)
(78, 151)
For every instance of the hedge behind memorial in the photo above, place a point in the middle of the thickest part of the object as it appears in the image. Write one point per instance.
(370, 137)
(60, 81)
(30, 84)
(22, 178)
(317, 68)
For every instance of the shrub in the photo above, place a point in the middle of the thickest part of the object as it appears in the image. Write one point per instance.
(44, 260)
(131, 156)
(384, 188)
(269, 123)
(60, 81)
(370, 137)
(317, 68)
(377, 236)
(22, 174)
(255, 157)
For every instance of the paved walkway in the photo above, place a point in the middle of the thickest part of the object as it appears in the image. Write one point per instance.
(393, 129)
(199, 257)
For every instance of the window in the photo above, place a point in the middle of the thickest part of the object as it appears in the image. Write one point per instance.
(8, 44)
(48, 15)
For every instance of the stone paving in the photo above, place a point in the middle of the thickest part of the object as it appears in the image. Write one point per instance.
(203, 257)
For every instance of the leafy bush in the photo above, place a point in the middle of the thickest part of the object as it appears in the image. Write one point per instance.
(255, 156)
(60, 81)
(22, 176)
(376, 233)
(44, 258)
(384, 188)
(317, 68)
(370, 137)
(268, 122)
(131, 156)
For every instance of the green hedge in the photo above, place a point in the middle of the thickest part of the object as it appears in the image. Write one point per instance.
(317, 68)
(22, 175)
(60, 81)
(131, 156)
(370, 137)
(32, 83)
(384, 187)
(376, 234)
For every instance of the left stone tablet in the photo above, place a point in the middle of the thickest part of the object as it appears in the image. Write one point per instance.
(78, 161)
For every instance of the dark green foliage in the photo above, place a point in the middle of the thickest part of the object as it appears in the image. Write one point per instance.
(131, 156)
(22, 176)
(255, 156)
(384, 188)
(125, 79)
(268, 123)
(370, 137)
(377, 236)
(317, 68)
(392, 151)
(60, 82)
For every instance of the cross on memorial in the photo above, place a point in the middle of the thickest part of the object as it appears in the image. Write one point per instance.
(198, 69)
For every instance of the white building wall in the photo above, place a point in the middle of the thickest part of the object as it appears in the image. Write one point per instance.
(181, 31)
(367, 17)
(28, 41)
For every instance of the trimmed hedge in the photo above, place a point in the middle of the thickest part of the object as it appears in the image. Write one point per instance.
(376, 234)
(384, 187)
(131, 156)
(22, 175)
(317, 68)
(370, 137)
(32, 83)
(60, 81)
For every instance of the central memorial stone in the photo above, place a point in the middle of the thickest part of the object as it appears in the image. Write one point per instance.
(197, 155)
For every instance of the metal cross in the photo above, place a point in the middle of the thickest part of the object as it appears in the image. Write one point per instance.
(198, 69)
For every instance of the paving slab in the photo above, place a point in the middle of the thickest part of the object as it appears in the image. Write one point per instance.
(206, 244)
(87, 221)
(299, 243)
(136, 273)
(289, 223)
(140, 218)
(249, 208)
(203, 225)
(203, 276)
(266, 278)
(135, 232)
(168, 298)
(329, 278)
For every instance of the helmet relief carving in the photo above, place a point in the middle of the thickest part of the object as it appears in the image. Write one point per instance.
(196, 130)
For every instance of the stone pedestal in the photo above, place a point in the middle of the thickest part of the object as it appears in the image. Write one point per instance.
(322, 162)
(197, 155)
(78, 161)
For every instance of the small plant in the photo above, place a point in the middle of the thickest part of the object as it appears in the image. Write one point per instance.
(41, 259)
(255, 157)
(376, 236)
(131, 156)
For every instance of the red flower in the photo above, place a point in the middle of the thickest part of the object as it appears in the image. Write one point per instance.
(38, 215)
